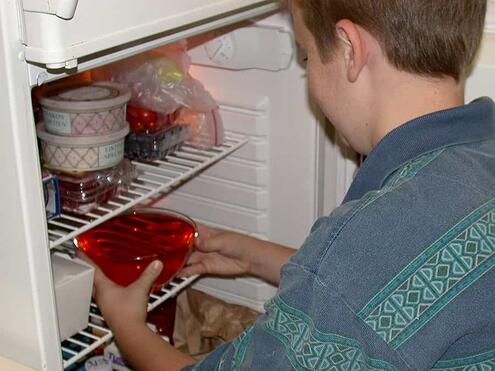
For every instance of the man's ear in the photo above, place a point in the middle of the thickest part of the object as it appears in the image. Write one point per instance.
(354, 46)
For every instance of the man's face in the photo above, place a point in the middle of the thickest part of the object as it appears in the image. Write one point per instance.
(322, 76)
(328, 84)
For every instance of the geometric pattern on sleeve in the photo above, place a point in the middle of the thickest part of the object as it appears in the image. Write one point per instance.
(309, 349)
(480, 362)
(434, 278)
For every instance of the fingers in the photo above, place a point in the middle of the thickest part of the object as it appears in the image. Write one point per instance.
(192, 270)
(149, 275)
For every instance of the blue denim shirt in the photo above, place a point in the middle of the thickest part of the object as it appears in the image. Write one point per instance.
(400, 276)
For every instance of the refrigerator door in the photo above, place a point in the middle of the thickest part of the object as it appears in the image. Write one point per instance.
(58, 32)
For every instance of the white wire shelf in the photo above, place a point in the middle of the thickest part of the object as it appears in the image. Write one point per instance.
(98, 334)
(153, 177)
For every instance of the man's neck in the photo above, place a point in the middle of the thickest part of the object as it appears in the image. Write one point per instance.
(405, 97)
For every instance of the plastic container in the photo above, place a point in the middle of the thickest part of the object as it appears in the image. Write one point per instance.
(154, 146)
(126, 244)
(81, 192)
(73, 282)
(81, 153)
(85, 110)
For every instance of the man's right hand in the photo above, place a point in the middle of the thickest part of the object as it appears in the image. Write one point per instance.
(225, 253)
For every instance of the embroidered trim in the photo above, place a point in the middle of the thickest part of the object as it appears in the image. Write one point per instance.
(483, 361)
(307, 348)
(412, 168)
(240, 345)
(404, 174)
(434, 278)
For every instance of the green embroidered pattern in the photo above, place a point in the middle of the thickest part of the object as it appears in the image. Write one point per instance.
(309, 349)
(480, 362)
(412, 168)
(434, 278)
(405, 173)
(240, 345)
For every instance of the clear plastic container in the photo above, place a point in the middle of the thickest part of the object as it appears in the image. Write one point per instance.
(154, 146)
(81, 192)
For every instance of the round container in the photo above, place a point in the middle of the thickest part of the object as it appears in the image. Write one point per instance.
(95, 109)
(81, 153)
(126, 244)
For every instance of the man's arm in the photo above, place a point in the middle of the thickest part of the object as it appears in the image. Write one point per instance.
(125, 309)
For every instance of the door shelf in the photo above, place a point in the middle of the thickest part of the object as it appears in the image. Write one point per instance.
(153, 177)
(97, 333)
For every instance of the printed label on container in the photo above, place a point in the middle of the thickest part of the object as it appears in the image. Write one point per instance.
(57, 122)
(111, 154)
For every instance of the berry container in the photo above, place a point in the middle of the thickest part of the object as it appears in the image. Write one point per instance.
(154, 146)
(81, 192)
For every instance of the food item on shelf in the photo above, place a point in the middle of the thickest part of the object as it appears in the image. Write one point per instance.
(126, 244)
(98, 363)
(206, 127)
(85, 153)
(84, 109)
(143, 120)
(82, 191)
(51, 194)
(73, 282)
(154, 146)
(152, 136)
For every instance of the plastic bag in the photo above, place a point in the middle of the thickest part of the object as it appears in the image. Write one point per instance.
(159, 80)
(206, 127)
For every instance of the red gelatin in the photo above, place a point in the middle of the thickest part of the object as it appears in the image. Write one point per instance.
(125, 245)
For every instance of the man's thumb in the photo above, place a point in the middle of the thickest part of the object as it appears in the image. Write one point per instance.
(149, 275)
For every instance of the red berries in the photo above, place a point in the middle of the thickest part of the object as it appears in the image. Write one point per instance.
(143, 120)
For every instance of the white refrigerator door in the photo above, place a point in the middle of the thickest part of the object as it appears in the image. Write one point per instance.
(58, 32)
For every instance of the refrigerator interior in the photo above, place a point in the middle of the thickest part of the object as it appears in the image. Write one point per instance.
(280, 169)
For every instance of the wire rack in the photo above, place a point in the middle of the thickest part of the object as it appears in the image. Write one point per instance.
(153, 177)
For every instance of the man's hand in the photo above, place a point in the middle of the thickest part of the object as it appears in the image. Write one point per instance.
(226, 253)
(124, 309)
(119, 305)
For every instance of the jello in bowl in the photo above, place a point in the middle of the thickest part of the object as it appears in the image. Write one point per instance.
(126, 244)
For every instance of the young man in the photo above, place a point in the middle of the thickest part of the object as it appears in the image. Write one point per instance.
(401, 275)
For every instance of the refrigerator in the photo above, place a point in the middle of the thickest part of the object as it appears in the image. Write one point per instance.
(280, 168)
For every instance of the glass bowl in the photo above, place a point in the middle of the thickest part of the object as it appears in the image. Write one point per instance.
(126, 244)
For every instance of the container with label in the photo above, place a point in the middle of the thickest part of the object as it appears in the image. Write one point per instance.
(86, 109)
(86, 153)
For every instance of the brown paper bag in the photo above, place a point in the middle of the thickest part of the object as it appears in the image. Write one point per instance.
(203, 322)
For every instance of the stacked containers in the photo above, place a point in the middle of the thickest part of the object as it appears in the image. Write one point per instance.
(82, 140)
